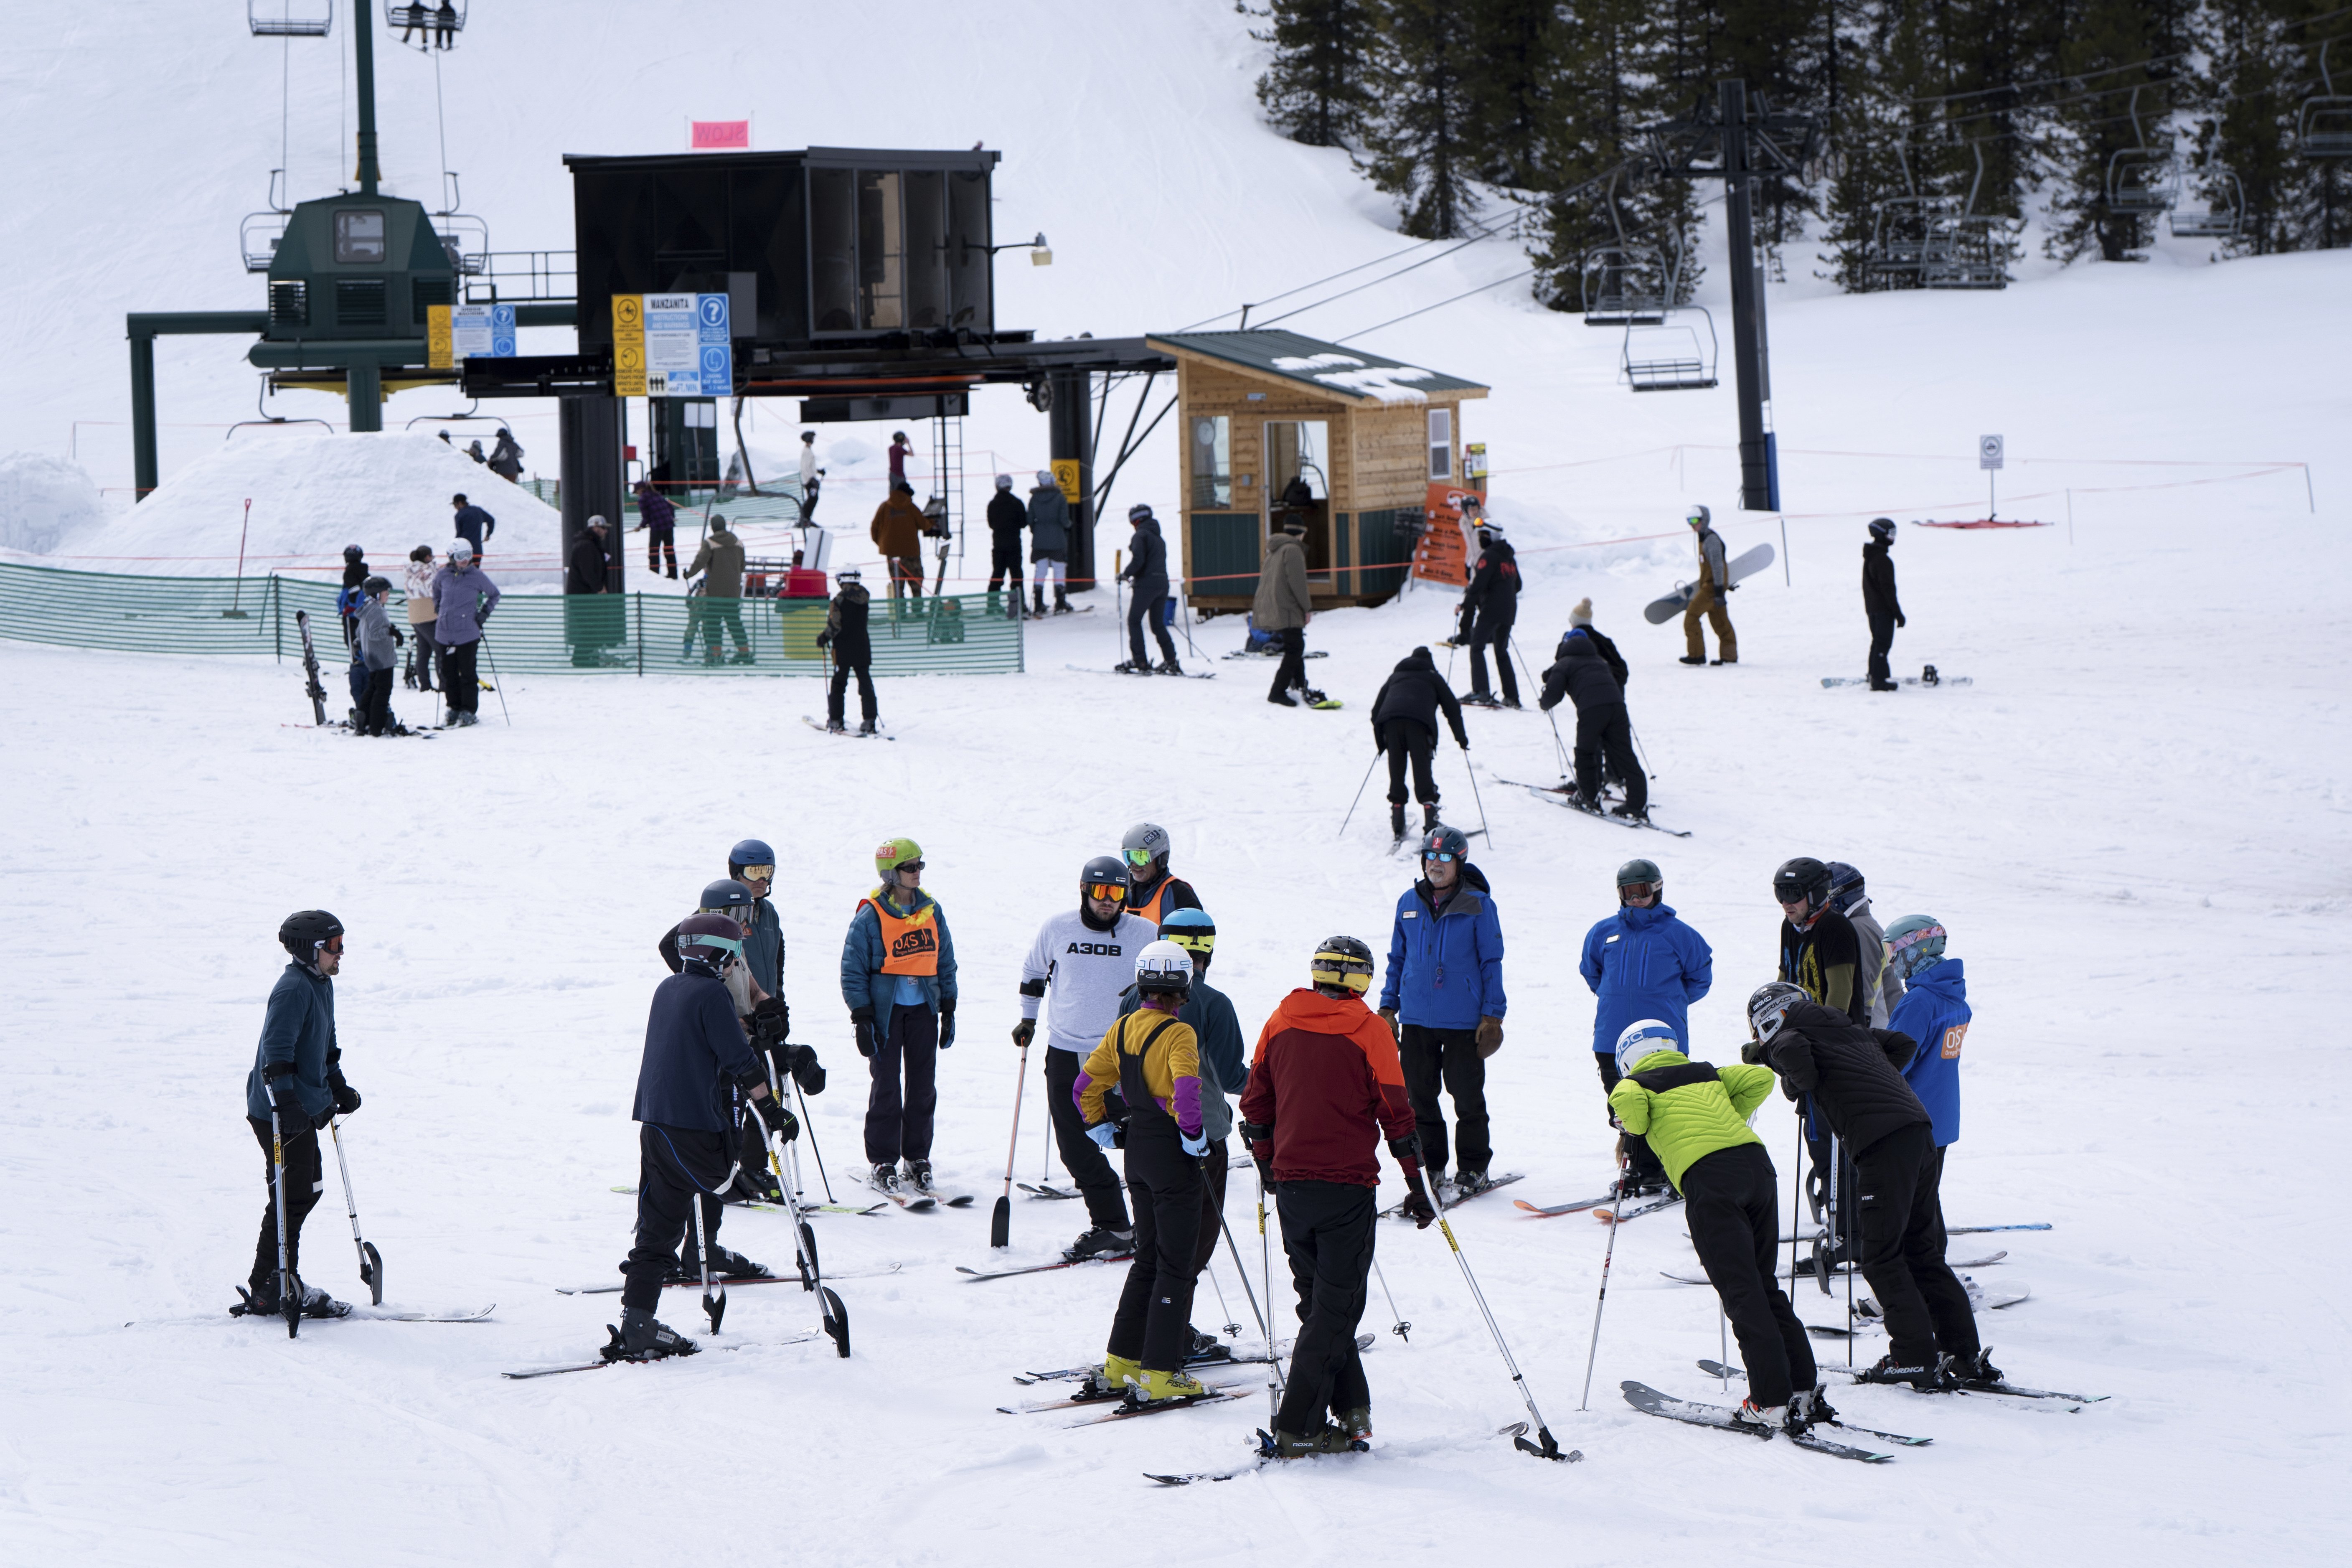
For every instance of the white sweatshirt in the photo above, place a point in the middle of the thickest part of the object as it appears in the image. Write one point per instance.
(1088, 970)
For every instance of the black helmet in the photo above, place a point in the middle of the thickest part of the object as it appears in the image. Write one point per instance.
(1882, 528)
(1803, 878)
(375, 586)
(305, 932)
(1845, 885)
(751, 852)
(1767, 1008)
(1105, 871)
(730, 897)
(1639, 873)
(353, 553)
(1444, 839)
(1341, 963)
(713, 940)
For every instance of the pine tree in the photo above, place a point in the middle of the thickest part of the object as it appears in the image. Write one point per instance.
(2265, 67)
(1512, 94)
(1608, 89)
(1315, 91)
(2117, 128)
(1419, 136)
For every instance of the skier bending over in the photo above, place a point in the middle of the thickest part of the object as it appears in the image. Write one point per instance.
(1604, 732)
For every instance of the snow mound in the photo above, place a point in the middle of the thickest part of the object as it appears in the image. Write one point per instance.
(311, 496)
(43, 501)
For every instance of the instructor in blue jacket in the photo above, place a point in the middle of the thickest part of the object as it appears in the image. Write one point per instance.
(1642, 962)
(1444, 1001)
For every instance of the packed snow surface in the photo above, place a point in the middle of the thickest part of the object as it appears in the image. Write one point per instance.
(44, 500)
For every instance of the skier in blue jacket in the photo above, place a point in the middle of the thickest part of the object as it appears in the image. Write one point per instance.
(1444, 1001)
(1642, 962)
(1934, 1013)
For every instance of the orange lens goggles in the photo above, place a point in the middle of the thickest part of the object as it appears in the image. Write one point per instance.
(1111, 890)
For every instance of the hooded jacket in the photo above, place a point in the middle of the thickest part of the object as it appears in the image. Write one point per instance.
(1281, 604)
(1607, 649)
(1878, 600)
(1415, 690)
(1689, 1110)
(844, 626)
(695, 1053)
(1580, 675)
(1049, 522)
(1645, 963)
(463, 598)
(897, 527)
(1494, 591)
(1445, 968)
(1712, 565)
(1935, 1012)
(1881, 986)
(1006, 518)
(1146, 561)
(1851, 1074)
(721, 559)
(506, 459)
(299, 1026)
(1324, 1086)
(376, 640)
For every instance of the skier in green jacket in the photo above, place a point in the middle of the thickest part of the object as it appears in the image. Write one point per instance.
(1694, 1116)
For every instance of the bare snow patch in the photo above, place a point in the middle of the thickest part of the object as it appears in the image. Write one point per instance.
(43, 501)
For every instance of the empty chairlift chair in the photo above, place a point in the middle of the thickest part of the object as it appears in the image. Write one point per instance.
(2324, 127)
(1670, 356)
(1626, 283)
(1965, 250)
(2224, 213)
(289, 18)
(2143, 178)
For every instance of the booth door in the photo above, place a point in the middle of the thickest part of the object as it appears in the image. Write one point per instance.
(1298, 483)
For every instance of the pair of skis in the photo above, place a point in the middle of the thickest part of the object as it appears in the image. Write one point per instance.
(1450, 1198)
(2011, 1390)
(1598, 1208)
(1560, 794)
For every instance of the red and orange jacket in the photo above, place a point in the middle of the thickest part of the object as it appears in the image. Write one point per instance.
(1326, 1079)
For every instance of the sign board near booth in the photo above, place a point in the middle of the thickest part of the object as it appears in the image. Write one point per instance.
(1442, 553)
(672, 345)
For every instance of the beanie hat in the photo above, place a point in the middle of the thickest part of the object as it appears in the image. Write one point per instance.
(1004, 481)
(1045, 478)
(1582, 614)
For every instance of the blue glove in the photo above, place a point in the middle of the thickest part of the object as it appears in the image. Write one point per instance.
(1104, 1133)
(1196, 1144)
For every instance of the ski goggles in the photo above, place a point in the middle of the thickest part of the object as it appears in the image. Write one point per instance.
(1113, 891)
(901, 865)
(728, 948)
(758, 874)
(1139, 856)
(1628, 891)
(1203, 942)
(1444, 857)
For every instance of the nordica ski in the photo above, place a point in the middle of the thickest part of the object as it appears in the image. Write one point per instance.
(1718, 1369)
(1650, 1402)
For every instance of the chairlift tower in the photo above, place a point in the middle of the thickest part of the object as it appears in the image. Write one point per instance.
(1737, 143)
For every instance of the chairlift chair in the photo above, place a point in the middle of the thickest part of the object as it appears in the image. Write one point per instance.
(2142, 178)
(1965, 250)
(466, 240)
(2224, 215)
(1909, 237)
(289, 18)
(421, 22)
(1669, 356)
(1627, 283)
(257, 238)
(2324, 127)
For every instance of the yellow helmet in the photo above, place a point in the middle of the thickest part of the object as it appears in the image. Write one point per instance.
(1341, 962)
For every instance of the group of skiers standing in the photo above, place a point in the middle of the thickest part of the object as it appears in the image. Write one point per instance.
(1046, 515)
(449, 604)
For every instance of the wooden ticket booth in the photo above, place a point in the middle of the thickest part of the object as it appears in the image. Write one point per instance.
(1275, 425)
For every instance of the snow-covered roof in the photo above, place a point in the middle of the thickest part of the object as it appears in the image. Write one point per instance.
(1327, 367)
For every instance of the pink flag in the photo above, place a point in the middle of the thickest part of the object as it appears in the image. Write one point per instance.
(719, 135)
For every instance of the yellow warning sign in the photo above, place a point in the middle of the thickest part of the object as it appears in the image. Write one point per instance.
(628, 346)
(1065, 476)
(436, 337)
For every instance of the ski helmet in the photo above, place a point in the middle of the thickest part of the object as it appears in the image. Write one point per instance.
(1138, 512)
(1769, 1004)
(1144, 847)
(1445, 840)
(1883, 528)
(1803, 878)
(895, 856)
(1845, 886)
(848, 574)
(1915, 944)
(706, 939)
(1193, 931)
(1638, 875)
(752, 855)
(1045, 480)
(305, 932)
(1699, 516)
(375, 586)
(1163, 969)
(1341, 963)
(1641, 1040)
(1004, 481)
(459, 551)
(730, 897)
(353, 553)
(1106, 872)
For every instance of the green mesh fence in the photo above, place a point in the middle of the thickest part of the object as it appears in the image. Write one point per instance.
(630, 634)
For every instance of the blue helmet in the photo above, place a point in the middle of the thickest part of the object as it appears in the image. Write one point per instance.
(1641, 1039)
(1193, 931)
(1915, 944)
(751, 852)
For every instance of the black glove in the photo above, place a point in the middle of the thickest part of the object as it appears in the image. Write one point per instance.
(861, 1019)
(1023, 1032)
(1417, 1206)
(776, 1117)
(806, 1070)
(277, 1082)
(347, 1099)
(1752, 1053)
(947, 1023)
(772, 1021)
(1899, 620)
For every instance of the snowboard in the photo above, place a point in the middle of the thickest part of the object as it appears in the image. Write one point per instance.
(1904, 681)
(1188, 675)
(1741, 566)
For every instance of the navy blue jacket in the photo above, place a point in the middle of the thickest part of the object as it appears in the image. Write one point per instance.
(1645, 963)
(1935, 1012)
(1225, 1065)
(475, 525)
(1445, 972)
(863, 983)
(695, 1055)
(300, 1027)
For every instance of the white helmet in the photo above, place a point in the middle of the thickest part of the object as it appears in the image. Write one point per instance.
(1641, 1040)
(1163, 968)
(460, 550)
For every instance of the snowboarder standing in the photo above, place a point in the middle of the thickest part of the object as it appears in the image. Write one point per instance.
(1152, 891)
(695, 1081)
(1643, 964)
(1147, 568)
(463, 598)
(846, 638)
(1154, 1058)
(297, 1081)
(1049, 543)
(1325, 1086)
(1006, 518)
(1087, 955)
(1852, 1076)
(898, 978)
(659, 519)
(1694, 1115)
(1492, 603)
(1708, 594)
(1604, 730)
(1282, 609)
(1443, 1004)
(1883, 610)
(1404, 725)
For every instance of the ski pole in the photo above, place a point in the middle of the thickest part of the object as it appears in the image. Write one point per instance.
(1277, 1387)
(810, 1127)
(1263, 1327)
(1000, 1224)
(1545, 1447)
(1360, 796)
(1475, 799)
(1403, 1329)
(498, 683)
(1642, 751)
(290, 1293)
(1592, 1353)
(1559, 746)
(1230, 1327)
(1723, 1337)
(804, 1238)
(371, 1263)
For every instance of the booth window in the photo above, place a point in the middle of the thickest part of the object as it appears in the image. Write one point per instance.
(1213, 463)
(881, 252)
(927, 249)
(359, 236)
(833, 249)
(1440, 443)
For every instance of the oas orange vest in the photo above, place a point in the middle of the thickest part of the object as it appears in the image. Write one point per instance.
(911, 942)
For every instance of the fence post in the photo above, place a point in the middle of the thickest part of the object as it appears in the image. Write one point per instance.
(641, 635)
(277, 618)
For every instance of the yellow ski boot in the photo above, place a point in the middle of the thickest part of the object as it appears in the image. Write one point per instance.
(1158, 1387)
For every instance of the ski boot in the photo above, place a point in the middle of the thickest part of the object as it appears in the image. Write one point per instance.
(836, 727)
(1207, 1348)
(884, 1179)
(1281, 699)
(1692, 658)
(640, 1337)
(1470, 1183)
(1129, 667)
(1480, 699)
(1110, 1380)
(1062, 606)
(1765, 1418)
(869, 726)
(1720, 661)
(1154, 1387)
(1356, 1421)
(1396, 822)
(1808, 1409)
(919, 1175)
(1429, 823)
(1098, 1242)
(724, 1265)
(1630, 812)
(1037, 604)
(1972, 1371)
(1292, 1445)
(1927, 1377)
(1168, 666)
